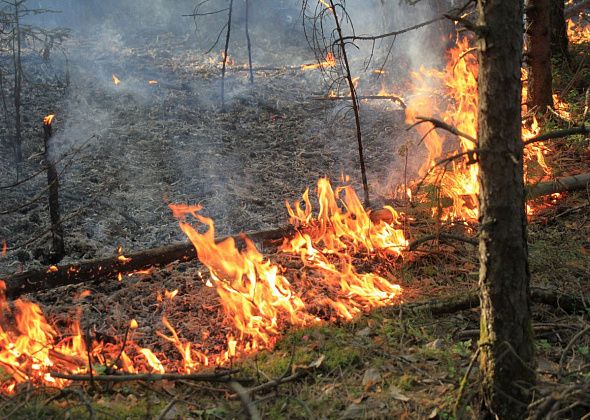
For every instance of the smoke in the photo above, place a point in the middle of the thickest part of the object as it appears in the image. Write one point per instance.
(170, 139)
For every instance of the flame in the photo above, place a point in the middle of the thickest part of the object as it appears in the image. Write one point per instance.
(152, 82)
(48, 119)
(116, 80)
(451, 95)
(578, 33)
(458, 86)
(329, 62)
(229, 60)
(257, 298)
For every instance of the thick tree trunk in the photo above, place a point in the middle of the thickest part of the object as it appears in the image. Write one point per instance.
(537, 45)
(559, 41)
(506, 335)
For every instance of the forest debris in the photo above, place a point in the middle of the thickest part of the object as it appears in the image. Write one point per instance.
(106, 268)
(568, 183)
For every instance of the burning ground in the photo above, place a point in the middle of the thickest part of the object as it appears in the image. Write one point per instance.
(161, 139)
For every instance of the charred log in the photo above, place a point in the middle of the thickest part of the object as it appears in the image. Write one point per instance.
(105, 268)
(568, 183)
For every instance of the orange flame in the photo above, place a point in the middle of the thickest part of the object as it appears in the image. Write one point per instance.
(451, 95)
(257, 298)
(48, 119)
(578, 33)
(329, 62)
(116, 80)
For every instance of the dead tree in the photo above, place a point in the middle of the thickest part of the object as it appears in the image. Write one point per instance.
(18, 78)
(225, 53)
(506, 341)
(322, 15)
(247, 15)
(538, 53)
(57, 233)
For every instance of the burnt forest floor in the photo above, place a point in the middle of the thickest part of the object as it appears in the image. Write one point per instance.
(170, 143)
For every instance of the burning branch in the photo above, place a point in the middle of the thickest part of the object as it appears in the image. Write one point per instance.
(102, 269)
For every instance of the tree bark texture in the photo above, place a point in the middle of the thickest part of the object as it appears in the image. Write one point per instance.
(538, 48)
(559, 41)
(506, 335)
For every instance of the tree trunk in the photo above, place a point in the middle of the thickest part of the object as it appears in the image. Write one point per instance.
(559, 41)
(506, 335)
(16, 56)
(537, 45)
(57, 234)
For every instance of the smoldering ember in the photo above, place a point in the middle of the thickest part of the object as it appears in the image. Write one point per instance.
(295, 209)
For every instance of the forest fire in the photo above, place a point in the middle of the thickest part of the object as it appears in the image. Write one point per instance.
(578, 33)
(116, 80)
(258, 301)
(329, 62)
(452, 95)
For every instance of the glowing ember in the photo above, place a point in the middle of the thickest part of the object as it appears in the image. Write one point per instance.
(329, 62)
(152, 82)
(48, 119)
(116, 80)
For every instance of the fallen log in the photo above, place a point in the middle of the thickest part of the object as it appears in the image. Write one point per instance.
(568, 183)
(465, 301)
(104, 268)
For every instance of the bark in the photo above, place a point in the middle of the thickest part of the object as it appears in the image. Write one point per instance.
(559, 41)
(109, 268)
(57, 234)
(506, 334)
(537, 45)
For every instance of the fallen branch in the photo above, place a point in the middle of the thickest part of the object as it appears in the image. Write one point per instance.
(568, 183)
(393, 98)
(105, 268)
(443, 125)
(465, 301)
(558, 134)
(152, 377)
(442, 237)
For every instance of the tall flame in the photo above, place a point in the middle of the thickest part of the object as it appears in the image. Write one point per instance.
(452, 96)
